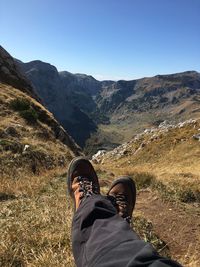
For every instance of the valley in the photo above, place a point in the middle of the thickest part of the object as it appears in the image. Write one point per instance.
(104, 114)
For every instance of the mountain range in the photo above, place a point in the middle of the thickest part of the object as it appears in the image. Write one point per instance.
(103, 114)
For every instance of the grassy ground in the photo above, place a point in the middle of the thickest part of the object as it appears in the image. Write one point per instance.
(36, 230)
(31, 155)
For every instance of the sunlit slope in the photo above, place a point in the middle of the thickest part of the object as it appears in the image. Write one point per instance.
(170, 153)
(32, 143)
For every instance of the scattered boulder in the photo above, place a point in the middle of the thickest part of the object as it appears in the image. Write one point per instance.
(188, 122)
(96, 158)
(165, 125)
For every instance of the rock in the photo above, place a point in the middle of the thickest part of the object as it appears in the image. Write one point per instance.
(125, 152)
(97, 158)
(149, 130)
(146, 131)
(182, 124)
(163, 124)
(26, 147)
(196, 137)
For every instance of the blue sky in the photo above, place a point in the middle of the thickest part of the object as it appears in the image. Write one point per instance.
(109, 39)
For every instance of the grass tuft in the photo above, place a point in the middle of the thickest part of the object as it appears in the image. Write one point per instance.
(25, 110)
(19, 104)
(173, 191)
(143, 180)
(144, 229)
(8, 145)
(30, 115)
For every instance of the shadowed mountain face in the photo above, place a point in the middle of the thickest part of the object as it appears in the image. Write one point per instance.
(49, 83)
(66, 96)
(81, 103)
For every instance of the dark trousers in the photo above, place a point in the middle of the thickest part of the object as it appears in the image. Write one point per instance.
(101, 238)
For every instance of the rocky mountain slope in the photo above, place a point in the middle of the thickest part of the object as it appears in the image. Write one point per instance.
(108, 112)
(169, 153)
(149, 93)
(173, 97)
(133, 106)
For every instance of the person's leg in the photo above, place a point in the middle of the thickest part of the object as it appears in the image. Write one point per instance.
(85, 226)
(100, 237)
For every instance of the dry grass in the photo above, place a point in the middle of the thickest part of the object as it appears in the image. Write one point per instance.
(27, 185)
(145, 230)
(36, 231)
(35, 218)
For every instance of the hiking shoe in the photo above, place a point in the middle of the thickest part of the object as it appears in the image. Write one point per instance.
(82, 180)
(122, 194)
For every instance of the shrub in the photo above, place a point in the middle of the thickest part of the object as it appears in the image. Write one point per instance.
(20, 104)
(187, 196)
(9, 145)
(25, 110)
(143, 179)
(29, 115)
(173, 191)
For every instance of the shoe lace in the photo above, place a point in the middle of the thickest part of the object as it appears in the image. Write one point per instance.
(120, 201)
(86, 187)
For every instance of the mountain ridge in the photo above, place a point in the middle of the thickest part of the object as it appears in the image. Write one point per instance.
(106, 104)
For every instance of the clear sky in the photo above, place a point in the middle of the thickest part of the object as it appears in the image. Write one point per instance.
(109, 39)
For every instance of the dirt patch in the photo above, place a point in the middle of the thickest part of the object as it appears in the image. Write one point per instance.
(177, 224)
